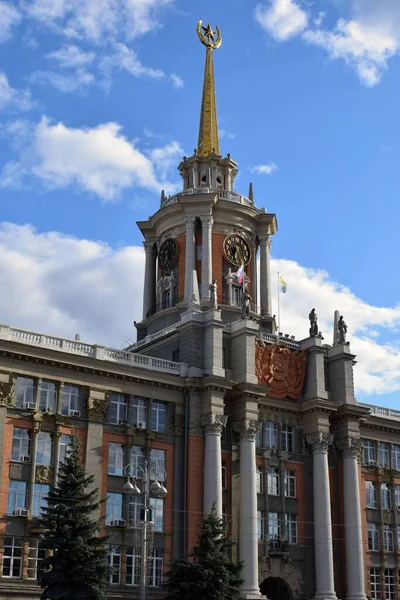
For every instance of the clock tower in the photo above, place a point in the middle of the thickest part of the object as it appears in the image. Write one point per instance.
(202, 236)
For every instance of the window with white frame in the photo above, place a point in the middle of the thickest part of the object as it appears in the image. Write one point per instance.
(70, 399)
(48, 396)
(373, 537)
(44, 448)
(17, 491)
(396, 457)
(114, 560)
(116, 454)
(114, 507)
(260, 526)
(369, 452)
(157, 464)
(135, 509)
(155, 568)
(117, 408)
(132, 566)
(291, 528)
(158, 416)
(137, 462)
(36, 555)
(223, 475)
(274, 527)
(388, 538)
(375, 583)
(270, 435)
(25, 392)
(290, 483)
(397, 495)
(157, 507)
(390, 584)
(259, 480)
(21, 444)
(40, 493)
(383, 454)
(138, 412)
(12, 557)
(386, 496)
(65, 446)
(371, 494)
(287, 438)
(273, 482)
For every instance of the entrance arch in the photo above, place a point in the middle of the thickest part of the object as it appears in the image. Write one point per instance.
(276, 588)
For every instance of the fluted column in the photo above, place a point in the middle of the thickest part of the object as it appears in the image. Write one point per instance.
(206, 256)
(355, 582)
(254, 286)
(190, 256)
(265, 274)
(149, 289)
(248, 546)
(213, 424)
(324, 578)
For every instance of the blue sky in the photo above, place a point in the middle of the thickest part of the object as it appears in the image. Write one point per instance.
(98, 102)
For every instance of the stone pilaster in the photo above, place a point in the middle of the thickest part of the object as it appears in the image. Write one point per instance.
(149, 289)
(265, 274)
(243, 339)
(341, 378)
(213, 425)
(190, 256)
(206, 257)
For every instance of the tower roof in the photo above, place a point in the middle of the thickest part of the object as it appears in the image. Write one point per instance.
(208, 130)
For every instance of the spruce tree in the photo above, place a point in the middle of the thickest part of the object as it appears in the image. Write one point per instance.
(208, 573)
(76, 565)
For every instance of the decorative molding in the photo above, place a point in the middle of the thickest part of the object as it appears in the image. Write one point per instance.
(97, 408)
(189, 222)
(213, 423)
(247, 429)
(281, 369)
(7, 391)
(350, 447)
(149, 245)
(45, 421)
(320, 441)
(207, 221)
(44, 474)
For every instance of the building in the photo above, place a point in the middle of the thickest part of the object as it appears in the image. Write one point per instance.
(226, 408)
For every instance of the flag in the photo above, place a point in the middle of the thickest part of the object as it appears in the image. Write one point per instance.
(240, 273)
(282, 285)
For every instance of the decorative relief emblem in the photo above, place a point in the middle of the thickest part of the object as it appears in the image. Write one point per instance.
(97, 408)
(44, 474)
(282, 369)
(387, 517)
(7, 392)
(45, 421)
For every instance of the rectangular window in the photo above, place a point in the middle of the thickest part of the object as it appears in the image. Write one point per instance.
(157, 507)
(390, 584)
(16, 496)
(158, 416)
(12, 557)
(369, 452)
(223, 476)
(373, 537)
(44, 448)
(70, 399)
(386, 496)
(65, 446)
(25, 392)
(48, 396)
(371, 494)
(155, 568)
(270, 434)
(114, 507)
(21, 444)
(135, 510)
(290, 483)
(396, 457)
(273, 482)
(274, 528)
(383, 454)
(397, 495)
(157, 464)
(138, 412)
(132, 566)
(40, 492)
(291, 528)
(375, 583)
(116, 453)
(117, 409)
(114, 560)
(36, 555)
(388, 538)
(137, 461)
(259, 480)
(287, 437)
(260, 526)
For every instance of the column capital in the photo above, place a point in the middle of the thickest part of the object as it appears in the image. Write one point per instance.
(190, 221)
(213, 423)
(320, 441)
(207, 220)
(247, 429)
(265, 239)
(350, 447)
(148, 245)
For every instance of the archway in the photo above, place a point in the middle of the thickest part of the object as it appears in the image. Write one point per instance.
(276, 588)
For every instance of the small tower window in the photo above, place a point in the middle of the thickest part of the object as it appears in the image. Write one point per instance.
(204, 179)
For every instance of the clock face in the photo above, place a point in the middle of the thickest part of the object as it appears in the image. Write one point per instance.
(167, 254)
(237, 250)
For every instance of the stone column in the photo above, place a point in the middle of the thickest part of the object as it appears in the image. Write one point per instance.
(248, 542)
(32, 477)
(56, 441)
(265, 274)
(206, 257)
(190, 256)
(149, 289)
(229, 281)
(355, 583)
(325, 585)
(213, 424)
(254, 287)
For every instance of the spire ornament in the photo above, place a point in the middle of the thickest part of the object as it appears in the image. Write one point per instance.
(208, 142)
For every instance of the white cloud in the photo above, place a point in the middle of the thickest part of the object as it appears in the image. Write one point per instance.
(9, 18)
(125, 58)
(264, 169)
(282, 19)
(177, 81)
(99, 160)
(223, 133)
(71, 57)
(166, 158)
(13, 98)
(76, 81)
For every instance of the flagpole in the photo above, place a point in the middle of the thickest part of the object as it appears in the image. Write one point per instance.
(279, 306)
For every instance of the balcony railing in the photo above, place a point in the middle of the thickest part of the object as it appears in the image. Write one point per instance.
(222, 195)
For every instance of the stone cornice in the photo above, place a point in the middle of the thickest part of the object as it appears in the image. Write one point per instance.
(318, 405)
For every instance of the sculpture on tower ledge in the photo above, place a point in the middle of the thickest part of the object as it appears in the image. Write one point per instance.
(213, 295)
(245, 304)
(313, 323)
(342, 329)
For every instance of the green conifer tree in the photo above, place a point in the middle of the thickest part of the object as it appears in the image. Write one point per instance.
(208, 573)
(76, 565)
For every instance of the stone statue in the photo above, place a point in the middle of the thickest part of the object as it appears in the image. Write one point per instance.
(342, 329)
(213, 294)
(245, 304)
(313, 323)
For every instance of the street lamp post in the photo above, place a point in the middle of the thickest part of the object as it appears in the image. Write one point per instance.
(158, 490)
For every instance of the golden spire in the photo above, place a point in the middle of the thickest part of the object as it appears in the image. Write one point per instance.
(208, 130)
